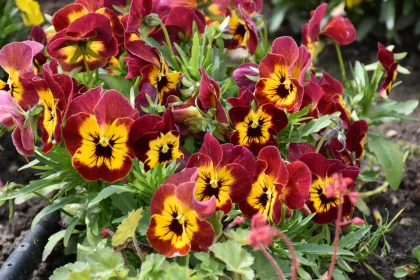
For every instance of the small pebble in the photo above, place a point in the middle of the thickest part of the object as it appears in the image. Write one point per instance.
(406, 221)
(13, 168)
(391, 133)
(394, 199)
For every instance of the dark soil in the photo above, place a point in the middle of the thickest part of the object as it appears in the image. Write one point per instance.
(406, 235)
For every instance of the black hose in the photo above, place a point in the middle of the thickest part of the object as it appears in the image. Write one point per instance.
(27, 255)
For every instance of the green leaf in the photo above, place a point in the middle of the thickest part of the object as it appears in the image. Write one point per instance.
(127, 229)
(216, 222)
(295, 118)
(57, 204)
(52, 241)
(153, 267)
(208, 268)
(108, 191)
(64, 272)
(416, 253)
(353, 238)
(189, 144)
(400, 272)
(313, 126)
(263, 268)
(70, 229)
(303, 274)
(320, 249)
(117, 83)
(105, 263)
(390, 159)
(338, 275)
(239, 235)
(236, 258)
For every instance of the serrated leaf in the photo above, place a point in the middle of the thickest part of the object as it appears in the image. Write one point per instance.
(105, 263)
(153, 267)
(236, 258)
(390, 159)
(209, 268)
(351, 239)
(82, 275)
(239, 235)
(320, 249)
(127, 229)
(263, 268)
(65, 271)
(52, 241)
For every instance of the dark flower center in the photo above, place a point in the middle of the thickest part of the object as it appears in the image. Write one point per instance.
(241, 30)
(102, 149)
(165, 153)
(162, 83)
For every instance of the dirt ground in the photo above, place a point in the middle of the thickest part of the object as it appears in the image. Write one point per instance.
(402, 239)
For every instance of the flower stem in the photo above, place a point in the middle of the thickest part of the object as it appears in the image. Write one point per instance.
(295, 261)
(380, 189)
(340, 60)
(90, 79)
(169, 45)
(336, 237)
(320, 143)
(272, 261)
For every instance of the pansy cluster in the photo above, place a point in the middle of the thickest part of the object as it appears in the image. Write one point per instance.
(199, 72)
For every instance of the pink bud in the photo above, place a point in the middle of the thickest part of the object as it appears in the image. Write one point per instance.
(105, 232)
(358, 221)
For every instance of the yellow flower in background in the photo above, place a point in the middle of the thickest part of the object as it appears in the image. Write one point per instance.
(31, 12)
(353, 3)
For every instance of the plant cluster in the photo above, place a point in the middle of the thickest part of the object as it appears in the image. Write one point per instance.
(178, 143)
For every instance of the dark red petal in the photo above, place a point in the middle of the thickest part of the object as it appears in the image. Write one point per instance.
(242, 183)
(341, 30)
(278, 117)
(296, 150)
(238, 114)
(296, 191)
(187, 175)
(276, 168)
(142, 126)
(245, 98)
(157, 205)
(113, 105)
(212, 148)
(287, 47)
(317, 163)
(85, 103)
(241, 156)
(202, 239)
(314, 25)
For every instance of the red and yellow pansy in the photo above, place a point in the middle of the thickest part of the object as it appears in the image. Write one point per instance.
(155, 139)
(16, 60)
(387, 60)
(258, 128)
(96, 135)
(224, 172)
(87, 42)
(178, 224)
(276, 183)
(281, 74)
(322, 170)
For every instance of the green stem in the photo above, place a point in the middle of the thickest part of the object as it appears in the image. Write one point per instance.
(265, 36)
(372, 90)
(169, 45)
(340, 60)
(375, 191)
(90, 80)
(49, 201)
(320, 143)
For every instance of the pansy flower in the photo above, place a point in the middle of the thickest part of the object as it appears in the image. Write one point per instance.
(243, 74)
(164, 81)
(387, 60)
(12, 115)
(155, 139)
(332, 100)
(339, 28)
(178, 224)
(55, 91)
(66, 15)
(224, 172)
(250, 7)
(16, 60)
(256, 129)
(281, 75)
(244, 32)
(276, 183)
(31, 12)
(322, 169)
(88, 40)
(96, 135)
